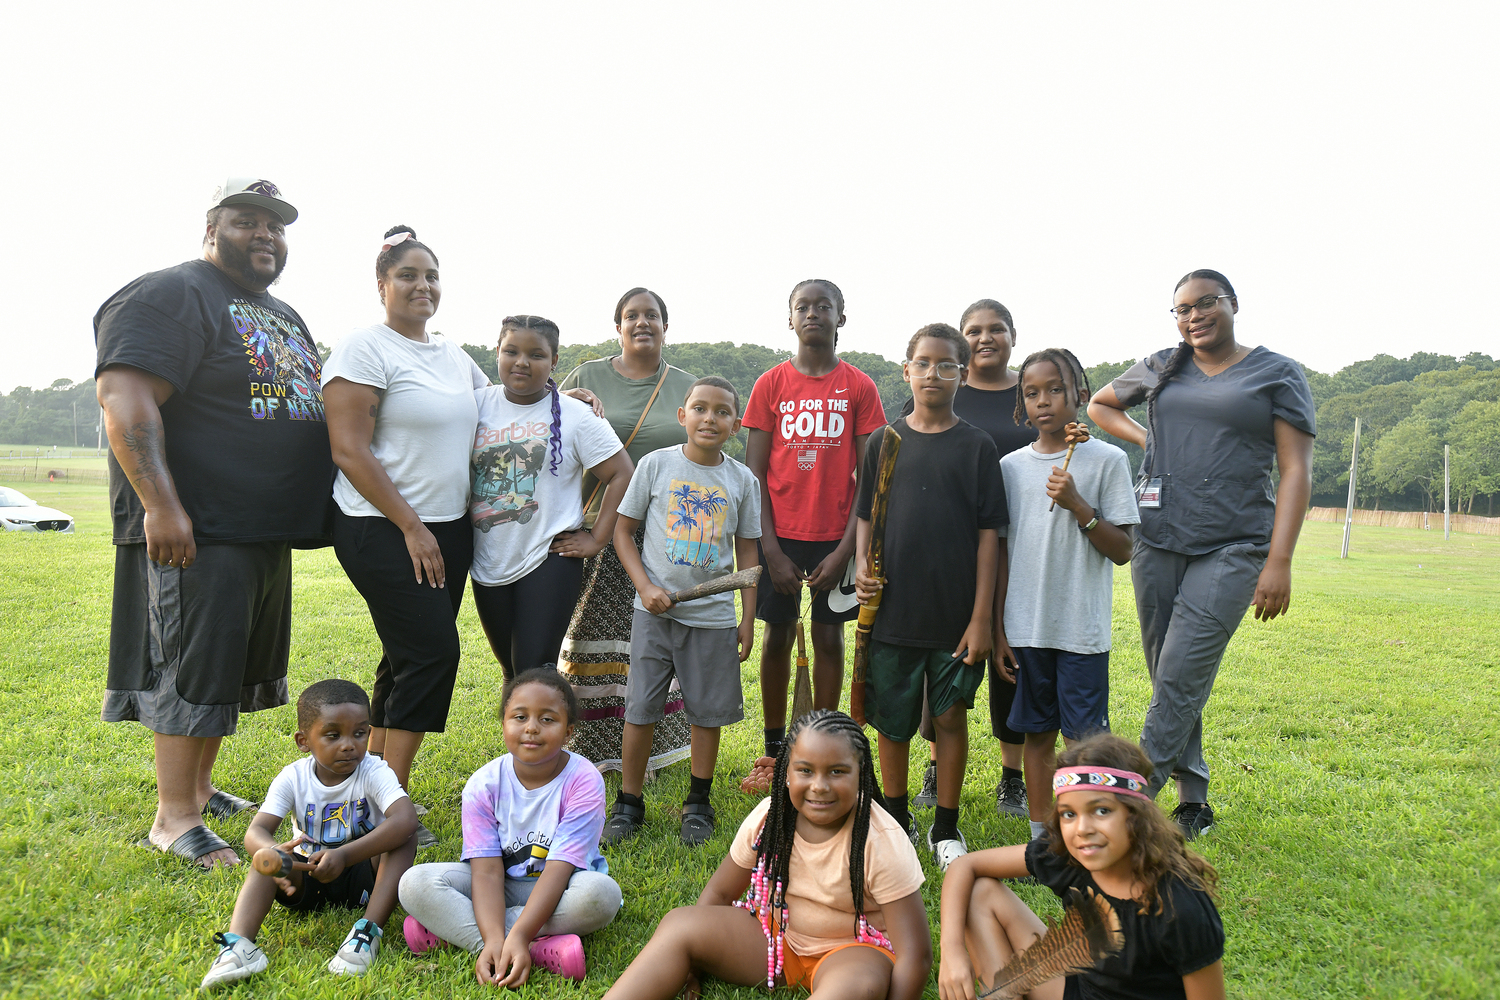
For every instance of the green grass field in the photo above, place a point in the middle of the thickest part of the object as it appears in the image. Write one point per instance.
(1354, 750)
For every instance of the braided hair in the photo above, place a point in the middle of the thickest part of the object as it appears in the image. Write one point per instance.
(391, 256)
(766, 897)
(1184, 352)
(838, 296)
(549, 332)
(1074, 378)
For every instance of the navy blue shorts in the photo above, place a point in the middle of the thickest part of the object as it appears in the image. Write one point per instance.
(1059, 690)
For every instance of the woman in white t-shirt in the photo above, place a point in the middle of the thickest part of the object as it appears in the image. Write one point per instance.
(401, 414)
(530, 451)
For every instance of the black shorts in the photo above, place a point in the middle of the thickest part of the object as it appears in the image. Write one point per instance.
(352, 889)
(829, 607)
(189, 649)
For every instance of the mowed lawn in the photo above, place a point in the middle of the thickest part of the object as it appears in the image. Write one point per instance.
(1354, 750)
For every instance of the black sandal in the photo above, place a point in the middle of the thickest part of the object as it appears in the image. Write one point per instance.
(222, 805)
(697, 823)
(625, 821)
(196, 843)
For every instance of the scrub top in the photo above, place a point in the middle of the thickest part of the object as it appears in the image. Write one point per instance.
(1210, 448)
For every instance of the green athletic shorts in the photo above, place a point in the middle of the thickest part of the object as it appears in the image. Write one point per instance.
(893, 689)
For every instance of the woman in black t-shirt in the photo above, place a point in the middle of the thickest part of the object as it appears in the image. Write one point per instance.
(1107, 838)
(987, 399)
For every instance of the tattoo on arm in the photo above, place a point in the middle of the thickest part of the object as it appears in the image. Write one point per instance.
(145, 441)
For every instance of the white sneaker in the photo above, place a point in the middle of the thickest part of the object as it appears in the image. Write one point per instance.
(357, 953)
(945, 852)
(239, 958)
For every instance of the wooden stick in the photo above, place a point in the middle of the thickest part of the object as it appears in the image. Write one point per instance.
(890, 448)
(734, 581)
(1066, 459)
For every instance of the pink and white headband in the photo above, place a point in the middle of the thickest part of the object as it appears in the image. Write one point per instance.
(1106, 779)
(397, 240)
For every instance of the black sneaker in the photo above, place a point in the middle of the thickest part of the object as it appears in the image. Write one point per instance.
(1193, 818)
(625, 821)
(927, 797)
(425, 837)
(1010, 798)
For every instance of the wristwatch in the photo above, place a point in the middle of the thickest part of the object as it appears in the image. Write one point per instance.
(1086, 528)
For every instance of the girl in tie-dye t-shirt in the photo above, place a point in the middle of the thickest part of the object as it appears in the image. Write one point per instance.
(532, 820)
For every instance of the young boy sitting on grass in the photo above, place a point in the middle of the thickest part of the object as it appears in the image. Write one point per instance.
(702, 515)
(942, 551)
(356, 835)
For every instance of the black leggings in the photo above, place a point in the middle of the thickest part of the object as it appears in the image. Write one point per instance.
(526, 620)
(415, 622)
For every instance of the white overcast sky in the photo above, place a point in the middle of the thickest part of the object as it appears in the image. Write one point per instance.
(1336, 161)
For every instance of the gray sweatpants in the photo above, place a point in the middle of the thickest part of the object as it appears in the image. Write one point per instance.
(1189, 607)
(441, 896)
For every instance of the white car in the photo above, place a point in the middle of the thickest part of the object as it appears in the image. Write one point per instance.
(18, 512)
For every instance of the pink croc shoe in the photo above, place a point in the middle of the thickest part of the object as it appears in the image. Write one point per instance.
(418, 938)
(561, 954)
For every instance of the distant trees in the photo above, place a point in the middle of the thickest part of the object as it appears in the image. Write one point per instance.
(1409, 408)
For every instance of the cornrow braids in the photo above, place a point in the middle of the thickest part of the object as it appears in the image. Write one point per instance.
(1184, 352)
(766, 896)
(838, 296)
(549, 332)
(391, 256)
(1068, 366)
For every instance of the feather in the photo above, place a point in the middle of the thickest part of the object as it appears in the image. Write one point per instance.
(1088, 933)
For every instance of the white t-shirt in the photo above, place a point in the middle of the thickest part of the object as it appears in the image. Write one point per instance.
(333, 815)
(1061, 587)
(516, 503)
(425, 421)
(528, 827)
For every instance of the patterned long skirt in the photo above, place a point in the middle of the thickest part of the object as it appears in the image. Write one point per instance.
(596, 660)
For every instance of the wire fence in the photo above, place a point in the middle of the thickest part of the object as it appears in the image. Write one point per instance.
(42, 474)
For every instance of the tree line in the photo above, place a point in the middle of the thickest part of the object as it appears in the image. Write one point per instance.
(1409, 408)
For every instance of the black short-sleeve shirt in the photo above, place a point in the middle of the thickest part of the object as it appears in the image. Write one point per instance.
(945, 489)
(1212, 444)
(246, 441)
(992, 411)
(1160, 948)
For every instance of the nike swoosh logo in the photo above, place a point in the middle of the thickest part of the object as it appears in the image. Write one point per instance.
(841, 390)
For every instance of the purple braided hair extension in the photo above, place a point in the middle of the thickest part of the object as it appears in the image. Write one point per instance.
(556, 427)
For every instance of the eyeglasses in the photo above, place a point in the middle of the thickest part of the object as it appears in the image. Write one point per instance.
(946, 370)
(1206, 304)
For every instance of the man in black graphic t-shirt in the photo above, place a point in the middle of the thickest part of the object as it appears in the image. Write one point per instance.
(219, 466)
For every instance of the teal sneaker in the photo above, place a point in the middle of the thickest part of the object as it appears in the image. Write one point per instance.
(239, 958)
(357, 953)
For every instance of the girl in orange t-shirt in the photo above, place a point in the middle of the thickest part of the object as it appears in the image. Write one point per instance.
(834, 901)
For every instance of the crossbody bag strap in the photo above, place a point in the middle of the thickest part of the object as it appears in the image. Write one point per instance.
(634, 431)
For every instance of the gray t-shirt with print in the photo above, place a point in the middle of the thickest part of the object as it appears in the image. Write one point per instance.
(1061, 588)
(693, 513)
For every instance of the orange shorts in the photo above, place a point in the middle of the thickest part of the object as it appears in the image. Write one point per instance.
(798, 970)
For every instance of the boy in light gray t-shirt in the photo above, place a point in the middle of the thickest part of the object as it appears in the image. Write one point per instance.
(701, 511)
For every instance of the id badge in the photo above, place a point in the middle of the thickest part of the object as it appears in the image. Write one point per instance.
(1151, 493)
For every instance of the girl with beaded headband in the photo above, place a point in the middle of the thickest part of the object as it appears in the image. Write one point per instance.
(1105, 834)
(831, 888)
(532, 446)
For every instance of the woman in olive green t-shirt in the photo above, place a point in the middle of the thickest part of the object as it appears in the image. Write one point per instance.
(596, 652)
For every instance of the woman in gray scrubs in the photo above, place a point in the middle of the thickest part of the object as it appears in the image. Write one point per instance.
(1215, 536)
